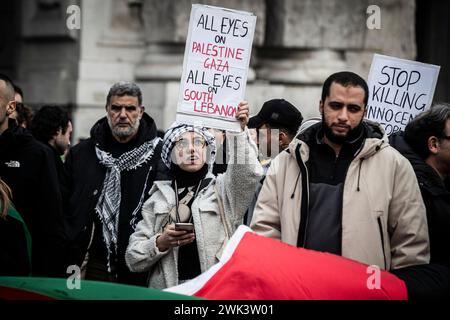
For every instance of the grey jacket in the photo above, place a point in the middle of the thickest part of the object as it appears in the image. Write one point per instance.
(235, 188)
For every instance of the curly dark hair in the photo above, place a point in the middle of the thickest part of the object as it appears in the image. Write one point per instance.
(24, 115)
(47, 121)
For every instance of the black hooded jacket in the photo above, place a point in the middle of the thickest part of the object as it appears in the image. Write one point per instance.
(29, 169)
(82, 183)
(433, 280)
(436, 198)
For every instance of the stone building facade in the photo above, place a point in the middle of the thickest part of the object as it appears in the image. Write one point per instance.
(297, 44)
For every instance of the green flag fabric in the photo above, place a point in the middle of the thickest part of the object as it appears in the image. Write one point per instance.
(57, 288)
(12, 212)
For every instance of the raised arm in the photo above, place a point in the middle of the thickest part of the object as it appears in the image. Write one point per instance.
(237, 185)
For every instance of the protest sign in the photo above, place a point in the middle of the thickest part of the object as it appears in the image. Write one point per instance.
(216, 60)
(399, 90)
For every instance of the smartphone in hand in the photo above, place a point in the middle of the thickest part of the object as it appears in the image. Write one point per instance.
(189, 227)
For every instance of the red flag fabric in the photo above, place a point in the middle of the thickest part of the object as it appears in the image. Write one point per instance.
(258, 268)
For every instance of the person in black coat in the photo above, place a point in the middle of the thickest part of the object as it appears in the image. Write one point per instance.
(426, 144)
(52, 126)
(29, 169)
(106, 180)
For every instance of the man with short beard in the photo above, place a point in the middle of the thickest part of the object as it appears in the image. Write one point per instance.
(340, 188)
(105, 182)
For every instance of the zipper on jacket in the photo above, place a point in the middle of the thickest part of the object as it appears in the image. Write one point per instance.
(377, 148)
(295, 187)
(380, 227)
(359, 172)
(304, 209)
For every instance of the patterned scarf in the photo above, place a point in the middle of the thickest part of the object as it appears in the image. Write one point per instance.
(176, 130)
(108, 205)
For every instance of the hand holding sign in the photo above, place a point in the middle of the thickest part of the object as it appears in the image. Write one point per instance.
(242, 114)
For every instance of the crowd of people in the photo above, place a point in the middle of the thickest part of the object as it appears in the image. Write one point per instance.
(127, 206)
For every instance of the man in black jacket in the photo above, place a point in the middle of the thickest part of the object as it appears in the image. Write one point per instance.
(28, 167)
(105, 182)
(51, 125)
(426, 144)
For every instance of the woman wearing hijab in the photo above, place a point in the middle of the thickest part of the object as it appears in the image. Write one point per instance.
(215, 206)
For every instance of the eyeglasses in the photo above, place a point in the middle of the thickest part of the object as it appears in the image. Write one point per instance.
(184, 144)
(445, 137)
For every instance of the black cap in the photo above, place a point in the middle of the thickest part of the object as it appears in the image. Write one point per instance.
(277, 113)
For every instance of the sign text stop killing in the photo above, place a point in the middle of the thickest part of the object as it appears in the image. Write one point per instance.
(399, 90)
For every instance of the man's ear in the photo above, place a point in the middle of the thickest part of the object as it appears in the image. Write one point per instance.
(10, 107)
(283, 139)
(321, 106)
(433, 145)
(281, 136)
(142, 110)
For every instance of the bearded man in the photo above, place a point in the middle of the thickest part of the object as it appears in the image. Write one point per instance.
(341, 188)
(106, 180)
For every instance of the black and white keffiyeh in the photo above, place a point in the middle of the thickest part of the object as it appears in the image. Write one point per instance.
(175, 131)
(108, 204)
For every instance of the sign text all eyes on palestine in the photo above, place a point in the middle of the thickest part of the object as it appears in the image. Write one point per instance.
(216, 61)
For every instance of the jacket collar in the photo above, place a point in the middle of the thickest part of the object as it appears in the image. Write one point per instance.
(426, 175)
(375, 141)
(15, 136)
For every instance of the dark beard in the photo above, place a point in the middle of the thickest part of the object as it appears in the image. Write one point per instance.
(352, 135)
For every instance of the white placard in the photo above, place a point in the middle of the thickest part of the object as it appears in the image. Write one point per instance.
(216, 60)
(399, 90)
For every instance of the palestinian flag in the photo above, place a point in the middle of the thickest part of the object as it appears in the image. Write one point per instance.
(259, 268)
(28, 288)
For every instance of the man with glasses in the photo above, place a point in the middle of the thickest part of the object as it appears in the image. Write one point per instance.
(105, 182)
(426, 144)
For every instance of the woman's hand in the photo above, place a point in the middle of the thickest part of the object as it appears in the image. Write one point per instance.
(171, 238)
(242, 113)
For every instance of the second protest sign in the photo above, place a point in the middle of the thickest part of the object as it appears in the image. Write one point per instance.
(399, 90)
